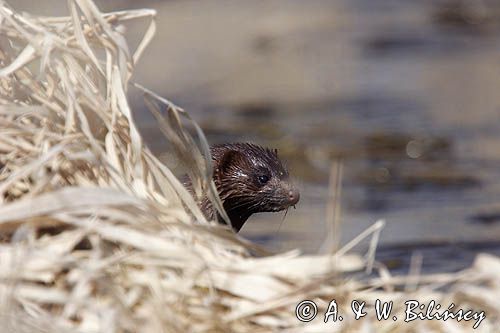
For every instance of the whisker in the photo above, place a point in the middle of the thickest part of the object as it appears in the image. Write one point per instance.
(282, 220)
(252, 203)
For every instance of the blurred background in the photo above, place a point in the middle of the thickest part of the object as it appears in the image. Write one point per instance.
(405, 93)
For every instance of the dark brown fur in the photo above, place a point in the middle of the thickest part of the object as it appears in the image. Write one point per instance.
(249, 179)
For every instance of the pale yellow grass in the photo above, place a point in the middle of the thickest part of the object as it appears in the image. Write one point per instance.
(99, 236)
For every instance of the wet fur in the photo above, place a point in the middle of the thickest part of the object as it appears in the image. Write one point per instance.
(237, 170)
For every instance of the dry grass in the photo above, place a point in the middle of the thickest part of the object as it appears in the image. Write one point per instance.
(99, 236)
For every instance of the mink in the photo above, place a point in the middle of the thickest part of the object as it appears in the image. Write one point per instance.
(249, 179)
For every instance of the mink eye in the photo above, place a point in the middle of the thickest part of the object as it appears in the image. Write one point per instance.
(263, 179)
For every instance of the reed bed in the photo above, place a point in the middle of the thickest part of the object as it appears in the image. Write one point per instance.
(98, 236)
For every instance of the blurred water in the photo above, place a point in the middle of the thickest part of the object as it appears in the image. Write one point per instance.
(404, 92)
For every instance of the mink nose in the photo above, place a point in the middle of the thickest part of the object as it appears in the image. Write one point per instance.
(293, 196)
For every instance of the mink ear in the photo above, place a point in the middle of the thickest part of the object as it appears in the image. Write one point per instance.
(227, 160)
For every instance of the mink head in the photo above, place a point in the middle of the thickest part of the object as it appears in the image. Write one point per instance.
(251, 179)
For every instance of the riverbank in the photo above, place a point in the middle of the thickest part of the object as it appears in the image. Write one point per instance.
(99, 236)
